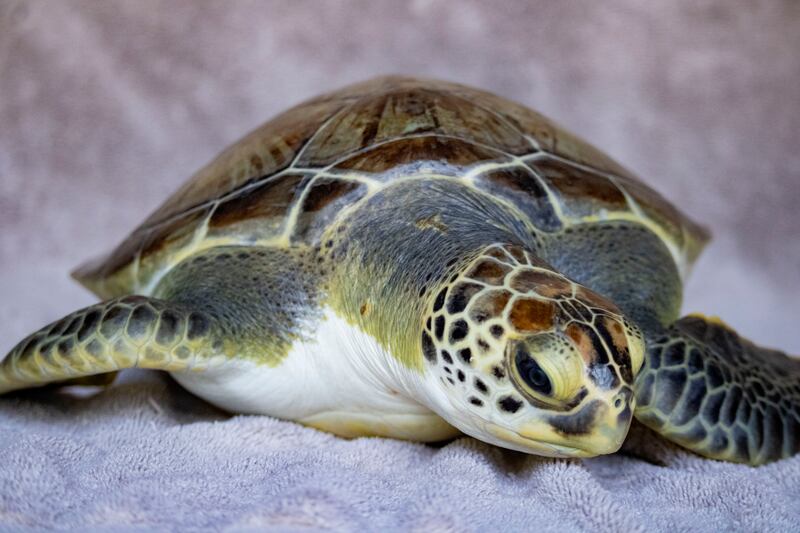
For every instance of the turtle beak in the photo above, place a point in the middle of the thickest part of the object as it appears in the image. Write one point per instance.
(612, 422)
(600, 427)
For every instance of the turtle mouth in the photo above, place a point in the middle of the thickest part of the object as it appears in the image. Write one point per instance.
(514, 440)
(565, 451)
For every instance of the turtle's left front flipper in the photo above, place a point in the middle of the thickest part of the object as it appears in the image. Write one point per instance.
(708, 389)
(133, 331)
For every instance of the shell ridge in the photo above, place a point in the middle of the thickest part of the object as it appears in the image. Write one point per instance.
(348, 106)
(497, 115)
(257, 181)
(367, 149)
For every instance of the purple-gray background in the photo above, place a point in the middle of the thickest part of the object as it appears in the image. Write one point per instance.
(106, 107)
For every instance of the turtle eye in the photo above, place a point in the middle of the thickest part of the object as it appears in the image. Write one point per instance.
(545, 368)
(531, 373)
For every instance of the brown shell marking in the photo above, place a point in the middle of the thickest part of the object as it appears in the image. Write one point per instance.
(143, 241)
(265, 151)
(556, 140)
(373, 127)
(323, 201)
(579, 189)
(451, 154)
(549, 136)
(268, 202)
(516, 179)
(520, 186)
(408, 109)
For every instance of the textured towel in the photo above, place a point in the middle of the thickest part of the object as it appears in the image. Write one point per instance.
(106, 107)
(147, 454)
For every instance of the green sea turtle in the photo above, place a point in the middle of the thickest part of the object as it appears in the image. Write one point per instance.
(414, 259)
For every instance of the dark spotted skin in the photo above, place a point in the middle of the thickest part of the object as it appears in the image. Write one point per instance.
(537, 299)
(508, 298)
(707, 388)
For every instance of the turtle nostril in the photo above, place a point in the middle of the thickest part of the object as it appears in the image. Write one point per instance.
(622, 398)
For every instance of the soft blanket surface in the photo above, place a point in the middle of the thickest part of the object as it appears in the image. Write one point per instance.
(106, 107)
(146, 454)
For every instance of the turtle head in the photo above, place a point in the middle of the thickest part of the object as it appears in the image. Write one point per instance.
(527, 359)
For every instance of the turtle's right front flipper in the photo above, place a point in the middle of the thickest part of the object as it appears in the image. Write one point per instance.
(708, 389)
(133, 331)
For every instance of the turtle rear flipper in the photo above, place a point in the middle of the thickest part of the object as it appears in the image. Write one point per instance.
(708, 389)
(127, 332)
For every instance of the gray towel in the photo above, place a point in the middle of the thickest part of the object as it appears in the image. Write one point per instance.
(145, 454)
